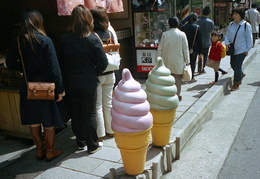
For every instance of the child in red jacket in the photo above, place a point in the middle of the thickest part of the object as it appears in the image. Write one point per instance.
(215, 55)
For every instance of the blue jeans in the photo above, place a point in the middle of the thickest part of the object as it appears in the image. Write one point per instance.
(236, 62)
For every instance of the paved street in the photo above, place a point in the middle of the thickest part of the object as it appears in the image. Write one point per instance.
(243, 160)
(227, 145)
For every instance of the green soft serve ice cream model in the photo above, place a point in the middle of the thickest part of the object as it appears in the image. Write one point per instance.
(161, 94)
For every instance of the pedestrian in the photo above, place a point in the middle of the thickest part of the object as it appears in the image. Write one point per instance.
(206, 27)
(253, 17)
(193, 33)
(82, 59)
(215, 54)
(106, 79)
(41, 64)
(243, 43)
(175, 56)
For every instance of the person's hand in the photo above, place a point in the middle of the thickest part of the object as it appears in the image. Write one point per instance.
(227, 47)
(246, 53)
(59, 97)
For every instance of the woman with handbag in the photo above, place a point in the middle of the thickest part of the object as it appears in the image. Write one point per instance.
(82, 59)
(175, 56)
(193, 33)
(239, 37)
(106, 79)
(38, 61)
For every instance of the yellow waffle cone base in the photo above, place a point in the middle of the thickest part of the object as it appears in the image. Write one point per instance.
(134, 160)
(163, 116)
(134, 140)
(161, 134)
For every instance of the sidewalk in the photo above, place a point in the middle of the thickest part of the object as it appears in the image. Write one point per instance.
(199, 98)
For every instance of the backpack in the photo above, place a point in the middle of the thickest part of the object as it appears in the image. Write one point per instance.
(224, 51)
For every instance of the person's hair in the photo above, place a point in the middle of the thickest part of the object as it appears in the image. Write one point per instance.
(193, 17)
(100, 17)
(206, 10)
(173, 22)
(81, 21)
(31, 23)
(254, 5)
(240, 11)
(217, 33)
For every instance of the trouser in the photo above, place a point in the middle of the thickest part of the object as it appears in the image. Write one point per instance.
(205, 52)
(178, 82)
(193, 59)
(104, 104)
(83, 113)
(236, 62)
(254, 37)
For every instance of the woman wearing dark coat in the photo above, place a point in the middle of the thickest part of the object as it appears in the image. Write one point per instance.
(190, 31)
(41, 65)
(82, 59)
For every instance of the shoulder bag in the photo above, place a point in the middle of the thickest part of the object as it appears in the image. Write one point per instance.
(231, 49)
(191, 50)
(112, 52)
(37, 90)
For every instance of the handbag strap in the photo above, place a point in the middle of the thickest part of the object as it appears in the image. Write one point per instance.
(21, 56)
(236, 34)
(99, 38)
(195, 36)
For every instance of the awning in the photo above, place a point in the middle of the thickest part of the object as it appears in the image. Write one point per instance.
(65, 7)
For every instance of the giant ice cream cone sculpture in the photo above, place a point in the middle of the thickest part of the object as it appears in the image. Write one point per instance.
(131, 122)
(161, 94)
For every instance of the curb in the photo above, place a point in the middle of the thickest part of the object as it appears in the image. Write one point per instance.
(188, 124)
(191, 120)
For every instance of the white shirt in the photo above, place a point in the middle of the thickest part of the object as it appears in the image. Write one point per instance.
(252, 16)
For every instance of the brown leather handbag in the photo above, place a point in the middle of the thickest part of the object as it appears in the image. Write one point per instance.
(112, 52)
(37, 90)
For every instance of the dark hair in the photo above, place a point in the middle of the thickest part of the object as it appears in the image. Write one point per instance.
(254, 5)
(173, 22)
(217, 33)
(81, 23)
(206, 10)
(240, 11)
(193, 17)
(100, 17)
(31, 22)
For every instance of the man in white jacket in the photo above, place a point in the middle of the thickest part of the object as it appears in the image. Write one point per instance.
(174, 50)
(253, 17)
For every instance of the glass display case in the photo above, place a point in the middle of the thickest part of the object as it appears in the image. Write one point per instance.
(150, 20)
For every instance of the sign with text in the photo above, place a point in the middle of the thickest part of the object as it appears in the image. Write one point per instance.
(145, 60)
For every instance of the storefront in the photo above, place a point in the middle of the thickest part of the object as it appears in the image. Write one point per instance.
(56, 18)
(223, 8)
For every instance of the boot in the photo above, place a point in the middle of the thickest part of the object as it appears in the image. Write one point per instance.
(49, 136)
(37, 137)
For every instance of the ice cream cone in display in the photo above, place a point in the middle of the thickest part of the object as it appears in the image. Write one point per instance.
(161, 94)
(131, 122)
